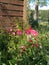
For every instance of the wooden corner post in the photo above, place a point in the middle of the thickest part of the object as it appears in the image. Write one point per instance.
(24, 11)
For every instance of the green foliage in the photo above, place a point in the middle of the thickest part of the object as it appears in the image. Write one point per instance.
(44, 15)
(32, 22)
(32, 53)
(25, 49)
(4, 40)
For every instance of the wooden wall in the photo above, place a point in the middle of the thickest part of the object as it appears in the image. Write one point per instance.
(10, 9)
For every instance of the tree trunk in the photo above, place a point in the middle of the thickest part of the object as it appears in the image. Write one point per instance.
(36, 14)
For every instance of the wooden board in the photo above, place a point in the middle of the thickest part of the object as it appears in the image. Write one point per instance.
(16, 2)
(10, 9)
(10, 13)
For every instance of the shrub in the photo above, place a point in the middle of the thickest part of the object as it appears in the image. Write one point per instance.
(22, 48)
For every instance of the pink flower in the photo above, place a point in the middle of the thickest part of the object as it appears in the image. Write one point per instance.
(13, 33)
(23, 48)
(10, 30)
(27, 32)
(32, 45)
(34, 32)
(31, 31)
(19, 32)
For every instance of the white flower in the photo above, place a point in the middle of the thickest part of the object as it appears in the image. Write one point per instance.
(40, 47)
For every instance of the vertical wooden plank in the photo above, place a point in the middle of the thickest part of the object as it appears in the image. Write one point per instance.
(24, 11)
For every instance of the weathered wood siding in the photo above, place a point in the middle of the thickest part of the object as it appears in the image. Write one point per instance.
(10, 9)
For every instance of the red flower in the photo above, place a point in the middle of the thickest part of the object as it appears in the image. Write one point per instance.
(30, 27)
(37, 45)
(30, 41)
(19, 32)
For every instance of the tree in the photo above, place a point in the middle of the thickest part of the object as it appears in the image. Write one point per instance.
(37, 3)
(36, 13)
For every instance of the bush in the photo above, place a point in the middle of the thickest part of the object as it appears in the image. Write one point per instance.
(22, 48)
